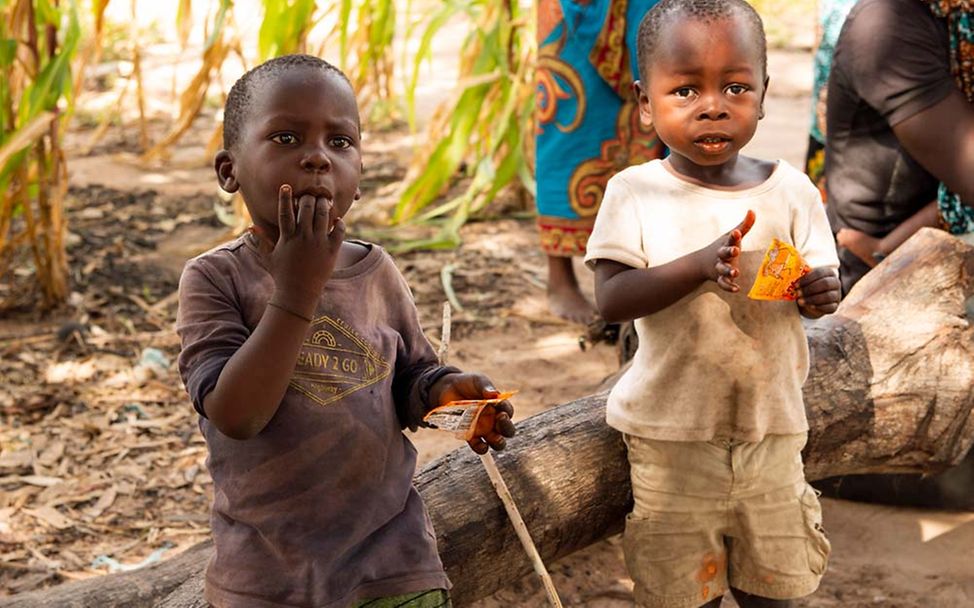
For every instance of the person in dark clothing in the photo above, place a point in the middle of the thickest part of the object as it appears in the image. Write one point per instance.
(900, 127)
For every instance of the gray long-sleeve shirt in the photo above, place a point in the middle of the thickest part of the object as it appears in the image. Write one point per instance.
(319, 508)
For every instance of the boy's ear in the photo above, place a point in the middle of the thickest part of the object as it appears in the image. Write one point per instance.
(226, 172)
(764, 92)
(642, 98)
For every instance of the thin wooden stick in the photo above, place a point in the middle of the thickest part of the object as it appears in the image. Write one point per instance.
(500, 487)
(520, 527)
(446, 278)
(445, 335)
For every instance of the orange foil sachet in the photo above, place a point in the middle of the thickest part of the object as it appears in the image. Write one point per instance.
(779, 273)
(460, 417)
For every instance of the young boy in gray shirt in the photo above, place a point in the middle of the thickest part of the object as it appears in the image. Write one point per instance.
(304, 356)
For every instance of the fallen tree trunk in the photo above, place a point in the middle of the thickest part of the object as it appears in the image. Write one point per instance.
(143, 587)
(889, 390)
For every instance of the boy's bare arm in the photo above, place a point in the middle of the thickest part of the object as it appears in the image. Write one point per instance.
(254, 379)
(623, 293)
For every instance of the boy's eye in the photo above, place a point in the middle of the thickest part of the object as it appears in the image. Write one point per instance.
(284, 138)
(736, 89)
(684, 92)
(341, 142)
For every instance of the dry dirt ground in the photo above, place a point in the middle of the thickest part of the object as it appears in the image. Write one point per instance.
(102, 465)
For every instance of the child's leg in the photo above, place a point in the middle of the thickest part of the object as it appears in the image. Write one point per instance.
(746, 600)
(674, 539)
(713, 515)
(777, 547)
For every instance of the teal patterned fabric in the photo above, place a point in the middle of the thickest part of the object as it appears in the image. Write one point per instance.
(957, 217)
(832, 14)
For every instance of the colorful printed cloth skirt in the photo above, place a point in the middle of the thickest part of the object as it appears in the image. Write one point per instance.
(588, 124)
(832, 14)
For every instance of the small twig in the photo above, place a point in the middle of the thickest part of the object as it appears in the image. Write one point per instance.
(520, 527)
(138, 399)
(36, 335)
(446, 278)
(496, 479)
(9, 346)
(445, 335)
(164, 336)
(23, 567)
(164, 302)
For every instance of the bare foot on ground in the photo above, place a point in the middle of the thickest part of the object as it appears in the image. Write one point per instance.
(565, 297)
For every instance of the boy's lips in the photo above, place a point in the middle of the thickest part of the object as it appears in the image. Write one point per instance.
(713, 143)
(315, 192)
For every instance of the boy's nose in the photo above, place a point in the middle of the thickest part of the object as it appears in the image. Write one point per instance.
(315, 160)
(712, 108)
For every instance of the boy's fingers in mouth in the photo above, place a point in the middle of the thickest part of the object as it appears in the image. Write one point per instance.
(286, 210)
(323, 211)
(306, 210)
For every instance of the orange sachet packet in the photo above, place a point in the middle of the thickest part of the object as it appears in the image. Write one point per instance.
(779, 273)
(460, 417)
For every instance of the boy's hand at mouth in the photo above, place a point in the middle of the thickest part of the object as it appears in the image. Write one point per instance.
(304, 256)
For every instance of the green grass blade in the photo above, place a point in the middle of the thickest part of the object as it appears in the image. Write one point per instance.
(218, 23)
(344, 19)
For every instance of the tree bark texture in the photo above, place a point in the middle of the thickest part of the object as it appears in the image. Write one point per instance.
(889, 390)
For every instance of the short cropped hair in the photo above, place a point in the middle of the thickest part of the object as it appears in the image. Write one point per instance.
(241, 95)
(660, 15)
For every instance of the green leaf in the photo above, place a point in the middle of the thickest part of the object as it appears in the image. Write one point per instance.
(489, 120)
(46, 13)
(12, 165)
(268, 26)
(446, 238)
(8, 51)
(54, 80)
(344, 20)
(184, 20)
(446, 158)
(218, 23)
(44, 93)
(284, 27)
(422, 53)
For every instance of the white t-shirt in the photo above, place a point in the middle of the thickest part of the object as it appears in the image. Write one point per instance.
(715, 363)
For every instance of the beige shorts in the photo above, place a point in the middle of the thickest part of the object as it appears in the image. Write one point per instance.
(709, 514)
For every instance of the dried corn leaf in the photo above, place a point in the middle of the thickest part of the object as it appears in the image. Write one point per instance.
(104, 501)
(40, 481)
(50, 516)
